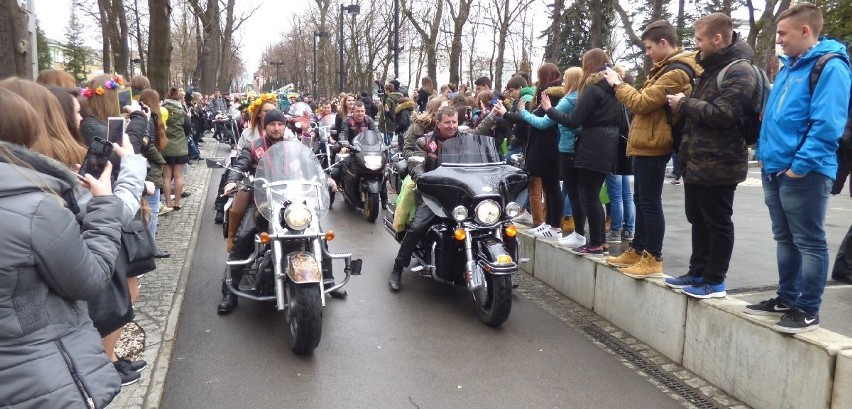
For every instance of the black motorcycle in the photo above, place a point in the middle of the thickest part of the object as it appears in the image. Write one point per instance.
(362, 172)
(474, 197)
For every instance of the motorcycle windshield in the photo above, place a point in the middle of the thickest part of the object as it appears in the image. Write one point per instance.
(368, 141)
(469, 149)
(289, 173)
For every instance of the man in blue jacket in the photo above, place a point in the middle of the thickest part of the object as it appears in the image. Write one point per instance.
(797, 145)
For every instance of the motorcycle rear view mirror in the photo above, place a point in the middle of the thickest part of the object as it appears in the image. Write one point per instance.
(214, 163)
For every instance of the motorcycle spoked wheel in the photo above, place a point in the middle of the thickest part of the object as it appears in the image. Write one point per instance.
(493, 309)
(303, 317)
(371, 203)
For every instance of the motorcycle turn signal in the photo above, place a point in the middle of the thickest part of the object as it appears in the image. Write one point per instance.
(460, 234)
(510, 230)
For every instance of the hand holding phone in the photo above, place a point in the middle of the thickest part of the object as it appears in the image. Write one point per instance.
(115, 129)
(96, 158)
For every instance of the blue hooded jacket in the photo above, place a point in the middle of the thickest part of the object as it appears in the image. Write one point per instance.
(791, 107)
(566, 135)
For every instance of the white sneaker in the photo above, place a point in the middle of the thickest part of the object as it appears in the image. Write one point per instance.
(525, 218)
(541, 227)
(572, 240)
(165, 210)
(548, 233)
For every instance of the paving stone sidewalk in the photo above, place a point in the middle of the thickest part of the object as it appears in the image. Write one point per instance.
(161, 295)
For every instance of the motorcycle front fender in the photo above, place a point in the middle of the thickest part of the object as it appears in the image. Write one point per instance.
(495, 257)
(372, 186)
(303, 268)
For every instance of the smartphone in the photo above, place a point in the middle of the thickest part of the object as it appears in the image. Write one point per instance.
(125, 98)
(494, 101)
(115, 129)
(96, 158)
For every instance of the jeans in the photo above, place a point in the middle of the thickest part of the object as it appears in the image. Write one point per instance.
(622, 208)
(709, 210)
(154, 204)
(797, 209)
(590, 195)
(649, 172)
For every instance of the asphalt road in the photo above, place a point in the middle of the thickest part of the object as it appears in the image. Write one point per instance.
(420, 348)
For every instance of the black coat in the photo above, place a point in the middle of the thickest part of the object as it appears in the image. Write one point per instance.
(601, 117)
(542, 145)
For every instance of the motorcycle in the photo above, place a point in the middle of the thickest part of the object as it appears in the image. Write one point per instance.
(229, 129)
(474, 197)
(361, 173)
(291, 193)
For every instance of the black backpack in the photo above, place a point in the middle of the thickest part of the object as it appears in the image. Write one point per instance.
(677, 128)
(751, 119)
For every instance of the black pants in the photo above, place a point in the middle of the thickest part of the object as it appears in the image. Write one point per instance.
(842, 270)
(572, 185)
(244, 246)
(553, 200)
(649, 172)
(219, 203)
(844, 166)
(423, 217)
(590, 194)
(709, 210)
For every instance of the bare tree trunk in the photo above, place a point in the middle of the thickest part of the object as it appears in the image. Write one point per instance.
(106, 53)
(14, 41)
(764, 42)
(430, 38)
(159, 45)
(210, 57)
(596, 27)
(455, 46)
(122, 60)
(139, 48)
(552, 52)
(681, 25)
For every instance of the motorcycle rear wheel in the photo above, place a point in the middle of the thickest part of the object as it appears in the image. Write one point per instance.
(371, 206)
(495, 309)
(304, 317)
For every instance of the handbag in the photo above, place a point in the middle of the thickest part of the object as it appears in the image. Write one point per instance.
(138, 247)
(111, 309)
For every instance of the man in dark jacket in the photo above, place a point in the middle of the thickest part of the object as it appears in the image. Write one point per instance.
(713, 154)
(274, 126)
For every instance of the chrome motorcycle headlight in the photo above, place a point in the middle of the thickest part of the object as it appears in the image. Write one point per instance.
(298, 217)
(373, 162)
(513, 210)
(487, 212)
(460, 213)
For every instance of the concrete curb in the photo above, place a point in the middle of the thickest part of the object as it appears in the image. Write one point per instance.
(739, 353)
(160, 368)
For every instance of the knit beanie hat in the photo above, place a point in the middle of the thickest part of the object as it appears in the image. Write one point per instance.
(274, 115)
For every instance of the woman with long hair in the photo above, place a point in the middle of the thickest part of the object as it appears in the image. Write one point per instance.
(72, 110)
(176, 152)
(56, 142)
(56, 78)
(574, 217)
(542, 157)
(47, 253)
(601, 117)
(427, 89)
(156, 142)
(422, 124)
(347, 102)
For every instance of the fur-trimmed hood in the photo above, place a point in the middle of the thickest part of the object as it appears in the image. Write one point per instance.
(595, 78)
(405, 105)
(34, 172)
(555, 91)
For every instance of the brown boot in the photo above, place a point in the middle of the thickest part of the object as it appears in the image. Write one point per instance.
(648, 267)
(568, 225)
(234, 221)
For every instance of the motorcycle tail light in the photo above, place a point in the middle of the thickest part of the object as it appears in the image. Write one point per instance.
(460, 234)
(329, 235)
(264, 238)
(510, 230)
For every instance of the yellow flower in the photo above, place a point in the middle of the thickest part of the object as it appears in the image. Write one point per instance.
(99, 91)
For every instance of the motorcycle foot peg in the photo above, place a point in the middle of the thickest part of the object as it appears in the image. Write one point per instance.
(355, 267)
(417, 269)
(524, 260)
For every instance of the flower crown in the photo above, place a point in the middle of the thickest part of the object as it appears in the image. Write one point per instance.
(262, 99)
(116, 82)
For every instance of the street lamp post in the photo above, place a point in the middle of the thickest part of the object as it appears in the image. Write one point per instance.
(317, 34)
(351, 9)
(277, 65)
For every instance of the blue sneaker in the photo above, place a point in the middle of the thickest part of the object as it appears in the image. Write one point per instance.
(683, 281)
(705, 290)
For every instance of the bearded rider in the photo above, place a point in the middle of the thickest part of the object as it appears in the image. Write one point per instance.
(446, 127)
(274, 124)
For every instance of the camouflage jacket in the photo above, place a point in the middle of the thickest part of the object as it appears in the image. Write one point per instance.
(714, 152)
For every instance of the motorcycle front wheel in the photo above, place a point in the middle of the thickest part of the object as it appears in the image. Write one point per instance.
(371, 206)
(304, 317)
(495, 308)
